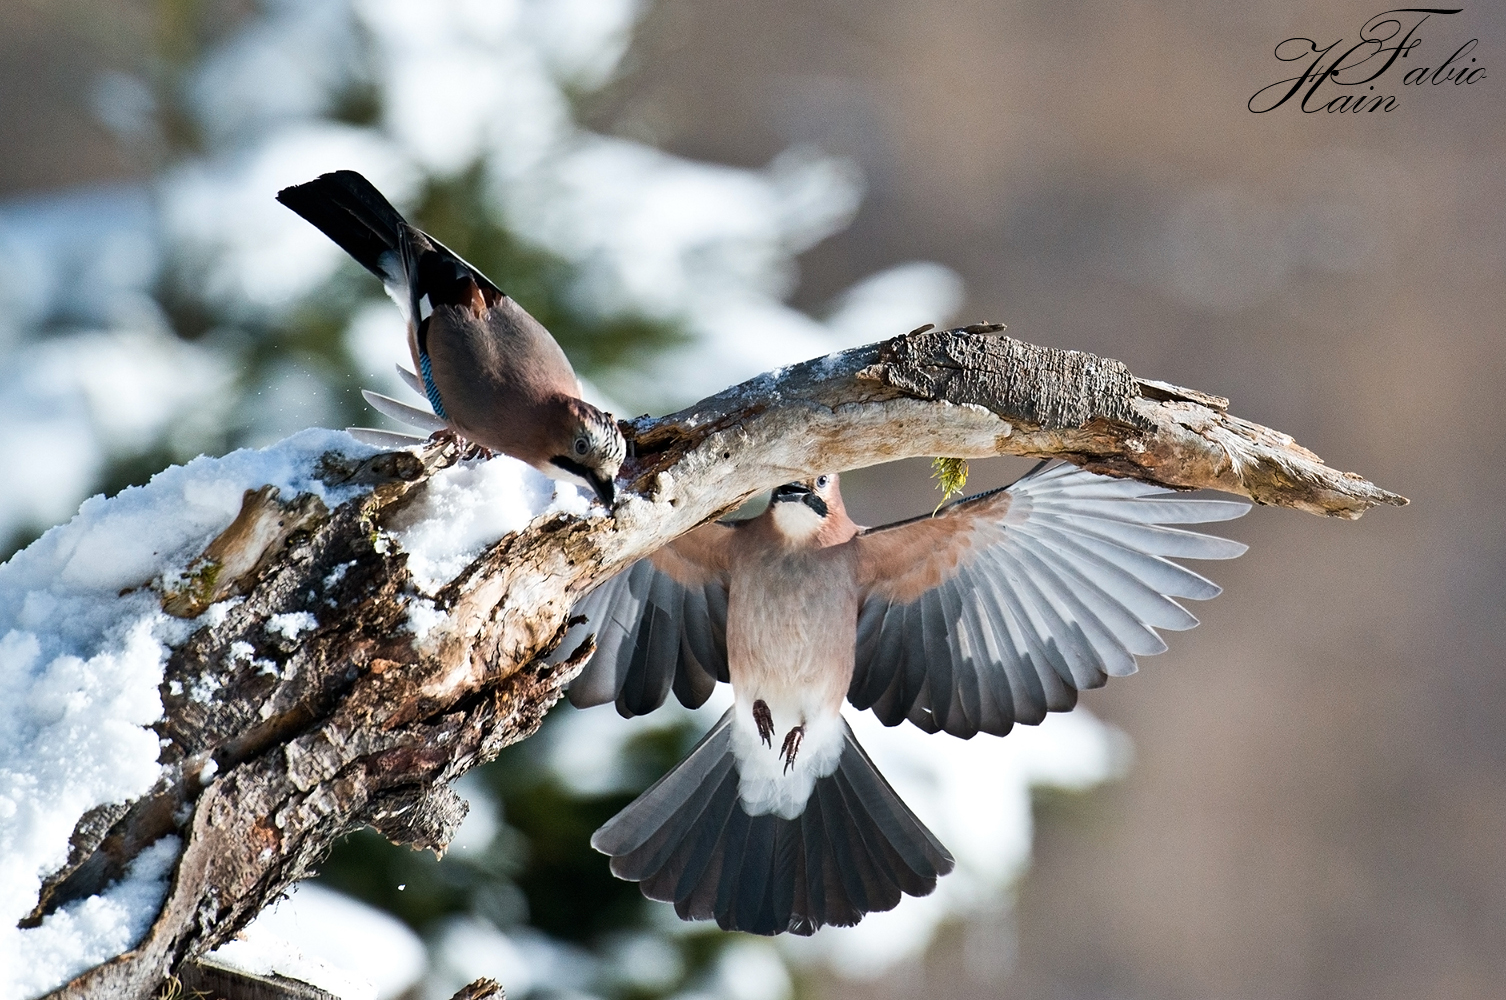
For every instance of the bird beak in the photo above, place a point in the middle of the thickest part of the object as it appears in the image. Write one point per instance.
(790, 491)
(606, 490)
(798, 493)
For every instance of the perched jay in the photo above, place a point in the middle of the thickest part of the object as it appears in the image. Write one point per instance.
(997, 610)
(491, 372)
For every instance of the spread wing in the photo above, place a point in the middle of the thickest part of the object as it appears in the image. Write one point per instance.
(661, 625)
(1005, 605)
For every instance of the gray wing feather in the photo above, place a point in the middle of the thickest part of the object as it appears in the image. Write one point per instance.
(1058, 633)
(913, 676)
(1008, 667)
(1145, 511)
(996, 712)
(1023, 680)
(703, 650)
(1153, 569)
(1072, 592)
(1122, 584)
(872, 657)
(653, 636)
(602, 678)
(403, 413)
(1047, 674)
(1151, 539)
(934, 626)
(656, 655)
(1050, 670)
(1118, 624)
(411, 380)
(1063, 481)
(903, 643)
(963, 714)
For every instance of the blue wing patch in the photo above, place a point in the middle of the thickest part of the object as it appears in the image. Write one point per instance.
(431, 390)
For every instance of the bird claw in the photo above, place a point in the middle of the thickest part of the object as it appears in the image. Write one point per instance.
(467, 448)
(791, 746)
(764, 720)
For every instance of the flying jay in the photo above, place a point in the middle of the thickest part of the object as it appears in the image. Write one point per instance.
(996, 610)
(491, 372)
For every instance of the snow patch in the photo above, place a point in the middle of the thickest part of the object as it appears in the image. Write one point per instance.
(467, 507)
(292, 624)
(88, 931)
(424, 617)
(83, 642)
(337, 574)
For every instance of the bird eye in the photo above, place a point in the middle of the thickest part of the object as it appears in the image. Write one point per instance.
(821, 482)
(582, 445)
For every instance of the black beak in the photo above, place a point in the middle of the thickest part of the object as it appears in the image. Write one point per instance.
(799, 492)
(606, 490)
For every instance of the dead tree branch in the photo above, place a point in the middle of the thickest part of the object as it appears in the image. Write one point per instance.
(361, 724)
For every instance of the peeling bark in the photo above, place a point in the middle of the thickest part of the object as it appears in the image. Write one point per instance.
(272, 756)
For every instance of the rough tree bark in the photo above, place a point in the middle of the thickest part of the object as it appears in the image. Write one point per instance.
(357, 723)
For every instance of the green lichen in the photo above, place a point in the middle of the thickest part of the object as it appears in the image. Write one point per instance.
(951, 478)
(193, 591)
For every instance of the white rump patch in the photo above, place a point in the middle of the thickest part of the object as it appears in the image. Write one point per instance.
(764, 785)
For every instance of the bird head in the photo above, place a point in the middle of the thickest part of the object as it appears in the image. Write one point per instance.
(808, 510)
(591, 451)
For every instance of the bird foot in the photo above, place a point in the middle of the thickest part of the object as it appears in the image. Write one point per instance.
(791, 746)
(467, 449)
(764, 720)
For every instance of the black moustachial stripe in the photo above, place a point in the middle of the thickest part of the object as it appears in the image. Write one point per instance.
(573, 467)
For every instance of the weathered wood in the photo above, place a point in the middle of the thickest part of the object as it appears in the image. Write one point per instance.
(235, 559)
(217, 982)
(481, 989)
(271, 755)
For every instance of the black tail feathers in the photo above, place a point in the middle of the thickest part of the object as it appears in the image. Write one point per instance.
(855, 849)
(348, 209)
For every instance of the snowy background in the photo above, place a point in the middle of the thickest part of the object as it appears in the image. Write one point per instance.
(146, 323)
(1314, 808)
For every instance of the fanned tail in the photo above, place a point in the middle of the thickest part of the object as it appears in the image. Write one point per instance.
(855, 849)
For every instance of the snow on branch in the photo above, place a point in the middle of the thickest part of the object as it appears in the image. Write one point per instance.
(335, 634)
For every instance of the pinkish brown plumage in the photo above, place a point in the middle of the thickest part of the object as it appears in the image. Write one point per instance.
(490, 371)
(995, 611)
